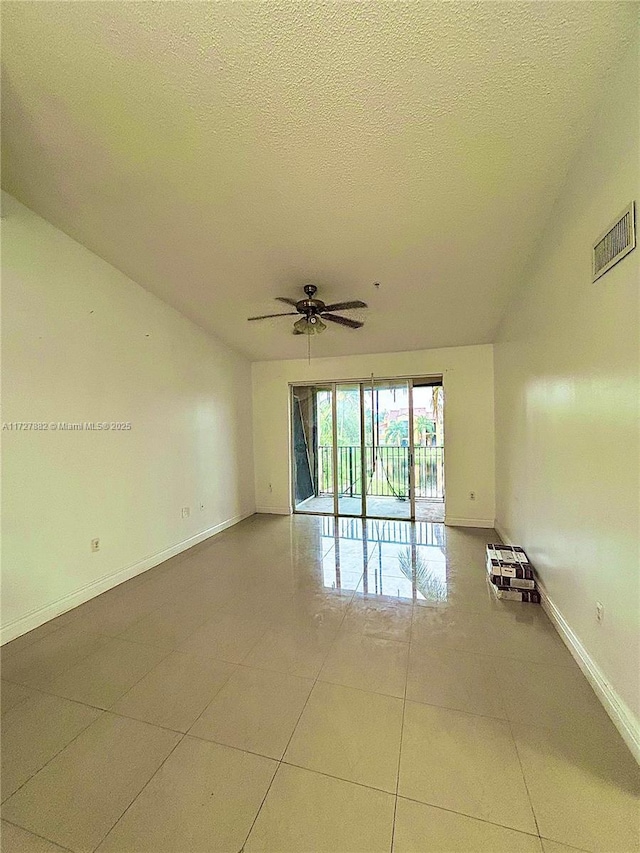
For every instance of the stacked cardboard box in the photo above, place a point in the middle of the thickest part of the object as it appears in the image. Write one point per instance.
(511, 574)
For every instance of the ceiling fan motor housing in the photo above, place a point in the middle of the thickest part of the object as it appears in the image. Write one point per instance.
(310, 306)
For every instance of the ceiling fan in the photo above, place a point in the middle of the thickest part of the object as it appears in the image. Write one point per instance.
(314, 312)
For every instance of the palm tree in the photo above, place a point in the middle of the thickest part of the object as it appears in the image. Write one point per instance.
(325, 419)
(348, 412)
(424, 427)
(427, 583)
(396, 433)
(436, 402)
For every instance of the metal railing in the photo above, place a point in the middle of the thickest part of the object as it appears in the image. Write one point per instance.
(385, 531)
(387, 471)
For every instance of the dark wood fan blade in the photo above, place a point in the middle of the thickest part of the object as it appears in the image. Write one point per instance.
(296, 332)
(343, 321)
(342, 306)
(267, 316)
(286, 300)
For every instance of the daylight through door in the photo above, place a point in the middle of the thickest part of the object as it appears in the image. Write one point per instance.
(372, 449)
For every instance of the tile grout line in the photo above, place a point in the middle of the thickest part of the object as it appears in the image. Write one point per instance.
(62, 748)
(351, 782)
(493, 656)
(179, 649)
(338, 779)
(20, 702)
(67, 668)
(47, 691)
(474, 817)
(103, 711)
(5, 648)
(524, 778)
(31, 832)
(224, 684)
(564, 843)
(332, 776)
(162, 659)
(153, 775)
(293, 731)
(98, 634)
(404, 708)
(155, 610)
(183, 557)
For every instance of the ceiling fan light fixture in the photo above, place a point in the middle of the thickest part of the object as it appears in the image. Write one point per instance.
(309, 325)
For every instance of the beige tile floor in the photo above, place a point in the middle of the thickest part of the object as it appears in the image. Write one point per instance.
(290, 686)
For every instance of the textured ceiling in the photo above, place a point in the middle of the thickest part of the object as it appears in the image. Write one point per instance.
(221, 154)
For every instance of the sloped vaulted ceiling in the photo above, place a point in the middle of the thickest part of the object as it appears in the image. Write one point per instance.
(221, 154)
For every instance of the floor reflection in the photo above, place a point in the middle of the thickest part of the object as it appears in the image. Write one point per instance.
(394, 559)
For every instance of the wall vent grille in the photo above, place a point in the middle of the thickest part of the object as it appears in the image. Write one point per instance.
(615, 243)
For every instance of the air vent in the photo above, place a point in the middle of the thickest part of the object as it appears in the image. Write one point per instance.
(615, 243)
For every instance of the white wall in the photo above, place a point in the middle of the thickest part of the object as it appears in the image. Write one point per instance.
(82, 343)
(468, 420)
(567, 417)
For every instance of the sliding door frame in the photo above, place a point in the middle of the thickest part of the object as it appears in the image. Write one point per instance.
(361, 383)
(411, 454)
(363, 457)
(334, 449)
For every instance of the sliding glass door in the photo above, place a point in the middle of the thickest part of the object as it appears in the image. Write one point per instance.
(348, 443)
(368, 448)
(312, 437)
(428, 448)
(387, 446)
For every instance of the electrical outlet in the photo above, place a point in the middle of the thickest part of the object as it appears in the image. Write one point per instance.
(599, 612)
(270, 487)
(95, 544)
(186, 512)
(201, 507)
(472, 496)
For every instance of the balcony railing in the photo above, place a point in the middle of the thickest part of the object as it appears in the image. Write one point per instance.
(385, 531)
(387, 471)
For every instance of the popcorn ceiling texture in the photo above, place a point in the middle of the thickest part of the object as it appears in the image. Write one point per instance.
(221, 154)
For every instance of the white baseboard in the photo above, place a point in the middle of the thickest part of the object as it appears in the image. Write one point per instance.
(453, 521)
(621, 715)
(40, 615)
(273, 510)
